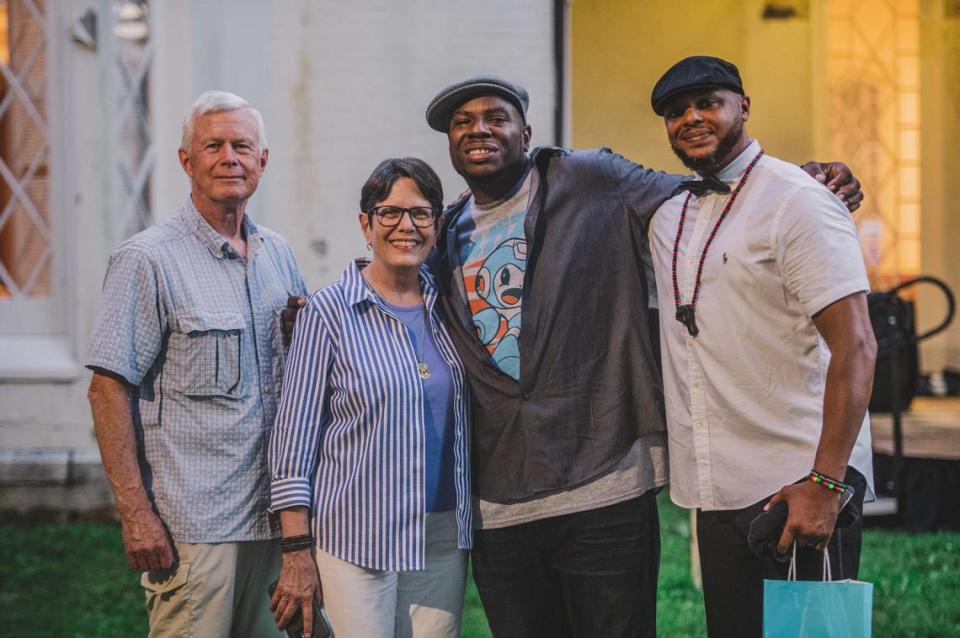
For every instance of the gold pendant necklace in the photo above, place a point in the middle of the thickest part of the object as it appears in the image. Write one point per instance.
(422, 368)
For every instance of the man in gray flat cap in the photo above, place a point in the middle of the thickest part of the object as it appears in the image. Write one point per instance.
(767, 375)
(569, 444)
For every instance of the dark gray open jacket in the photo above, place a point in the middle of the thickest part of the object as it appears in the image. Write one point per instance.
(589, 385)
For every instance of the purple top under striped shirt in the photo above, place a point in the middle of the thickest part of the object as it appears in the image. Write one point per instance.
(440, 490)
(349, 439)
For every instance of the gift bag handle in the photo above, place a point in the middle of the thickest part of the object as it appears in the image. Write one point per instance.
(792, 571)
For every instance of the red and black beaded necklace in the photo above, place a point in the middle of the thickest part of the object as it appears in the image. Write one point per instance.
(686, 314)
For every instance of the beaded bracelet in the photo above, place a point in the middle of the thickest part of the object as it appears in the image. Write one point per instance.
(295, 543)
(831, 484)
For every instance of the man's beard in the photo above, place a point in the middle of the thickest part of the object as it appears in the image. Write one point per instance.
(712, 163)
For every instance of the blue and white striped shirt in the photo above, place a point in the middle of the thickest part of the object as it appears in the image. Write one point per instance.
(349, 437)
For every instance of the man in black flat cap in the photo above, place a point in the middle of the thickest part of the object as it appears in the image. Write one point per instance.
(768, 351)
(568, 425)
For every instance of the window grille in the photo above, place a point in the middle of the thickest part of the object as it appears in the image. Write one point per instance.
(127, 51)
(873, 68)
(25, 228)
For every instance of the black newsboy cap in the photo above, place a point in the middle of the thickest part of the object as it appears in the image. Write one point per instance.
(695, 72)
(445, 102)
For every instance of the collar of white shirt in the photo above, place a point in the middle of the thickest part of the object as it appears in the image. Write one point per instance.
(730, 174)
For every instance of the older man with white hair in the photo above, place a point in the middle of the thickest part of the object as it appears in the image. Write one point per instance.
(187, 354)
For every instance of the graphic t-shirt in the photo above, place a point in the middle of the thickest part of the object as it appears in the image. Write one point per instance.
(493, 257)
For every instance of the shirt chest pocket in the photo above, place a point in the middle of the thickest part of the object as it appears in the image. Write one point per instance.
(205, 355)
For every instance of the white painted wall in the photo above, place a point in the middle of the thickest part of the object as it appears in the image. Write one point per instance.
(341, 87)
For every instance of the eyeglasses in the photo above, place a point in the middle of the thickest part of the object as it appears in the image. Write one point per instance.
(390, 216)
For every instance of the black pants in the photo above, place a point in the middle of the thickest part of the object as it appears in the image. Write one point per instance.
(733, 575)
(587, 574)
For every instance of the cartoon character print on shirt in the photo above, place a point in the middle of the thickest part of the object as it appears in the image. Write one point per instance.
(498, 292)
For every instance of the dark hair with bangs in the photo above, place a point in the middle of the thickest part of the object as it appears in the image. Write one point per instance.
(378, 185)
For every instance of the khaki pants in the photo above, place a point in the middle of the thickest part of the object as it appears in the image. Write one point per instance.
(370, 603)
(215, 591)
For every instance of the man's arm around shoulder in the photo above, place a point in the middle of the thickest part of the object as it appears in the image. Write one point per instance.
(146, 541)
(642, 189)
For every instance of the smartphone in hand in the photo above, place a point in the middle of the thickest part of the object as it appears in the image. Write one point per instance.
(321, 624)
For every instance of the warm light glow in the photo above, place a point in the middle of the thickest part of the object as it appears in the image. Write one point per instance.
(873, 71)
(26, 253)
(4, 34)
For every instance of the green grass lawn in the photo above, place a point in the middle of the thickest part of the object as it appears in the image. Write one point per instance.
(72, 581)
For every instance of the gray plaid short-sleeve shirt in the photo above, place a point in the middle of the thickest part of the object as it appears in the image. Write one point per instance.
(197, 329)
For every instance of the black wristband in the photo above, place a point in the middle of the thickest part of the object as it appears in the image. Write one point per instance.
(295, 543)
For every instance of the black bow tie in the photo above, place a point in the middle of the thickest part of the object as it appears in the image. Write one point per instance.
(700, 187)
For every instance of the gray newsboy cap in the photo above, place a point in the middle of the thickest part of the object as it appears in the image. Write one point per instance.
(698, 71)
(443, 104)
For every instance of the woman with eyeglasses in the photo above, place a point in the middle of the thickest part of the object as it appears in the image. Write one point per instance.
(369, 453)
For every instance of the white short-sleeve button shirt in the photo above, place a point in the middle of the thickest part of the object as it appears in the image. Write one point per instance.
(744, 399)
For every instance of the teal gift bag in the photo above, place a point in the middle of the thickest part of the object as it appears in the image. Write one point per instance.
(816, 609)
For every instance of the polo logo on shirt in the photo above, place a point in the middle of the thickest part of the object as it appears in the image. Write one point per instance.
(724, 257)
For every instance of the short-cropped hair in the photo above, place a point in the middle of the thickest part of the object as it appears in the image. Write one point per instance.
(381, 180)
(218, 102)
